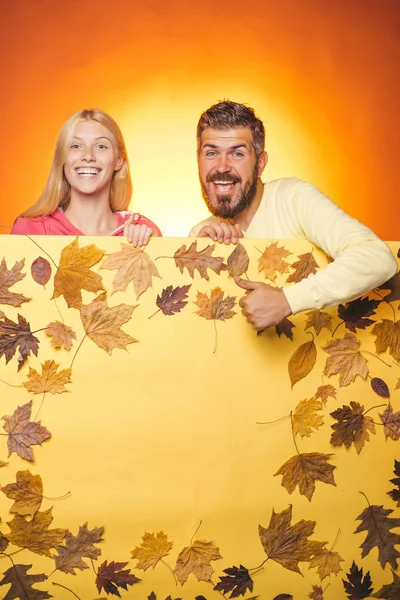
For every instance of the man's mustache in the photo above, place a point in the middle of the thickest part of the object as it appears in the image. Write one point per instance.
(223, 177)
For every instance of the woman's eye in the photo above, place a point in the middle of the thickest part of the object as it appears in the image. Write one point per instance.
(74, 146)
(101, 146)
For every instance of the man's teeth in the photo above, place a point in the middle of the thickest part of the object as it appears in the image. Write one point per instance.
(88, 171)
(224, 182)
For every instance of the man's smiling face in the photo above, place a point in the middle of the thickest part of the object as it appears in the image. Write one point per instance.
(228, 170)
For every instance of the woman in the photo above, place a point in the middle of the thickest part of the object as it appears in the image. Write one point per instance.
(89, 187)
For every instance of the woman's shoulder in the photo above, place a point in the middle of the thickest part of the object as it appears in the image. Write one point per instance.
(54, 224)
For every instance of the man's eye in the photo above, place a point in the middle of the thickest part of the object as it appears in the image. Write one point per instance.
(238, 154)
(211, 153)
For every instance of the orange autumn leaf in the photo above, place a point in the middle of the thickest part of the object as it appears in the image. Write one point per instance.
(103, 324)
(303, 470)
(23, 433)
(324, 392)
(199, 260)
(133, 265)
(305, 417)
(35, 535)
(388, 336)
(352, 426)
(61, 335)
(49, 381)
(8, 277)
(305, 266)
(27, 493)
(153, 548)
(215, 306)
(69, 557)
(196, 559)
(74, 275)
(345, 359)
(271, 261)
(302, 361)
(238, 261)
(319, 320)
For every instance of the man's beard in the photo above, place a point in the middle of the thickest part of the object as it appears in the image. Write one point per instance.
(222, 206)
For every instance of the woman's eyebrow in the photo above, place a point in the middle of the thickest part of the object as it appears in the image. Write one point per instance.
(101, 137)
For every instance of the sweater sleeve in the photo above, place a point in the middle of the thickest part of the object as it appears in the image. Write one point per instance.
(361, 261)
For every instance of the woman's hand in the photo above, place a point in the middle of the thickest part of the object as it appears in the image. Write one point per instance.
(138, 235)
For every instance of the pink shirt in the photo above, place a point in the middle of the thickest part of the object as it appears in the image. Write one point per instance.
(58, 224)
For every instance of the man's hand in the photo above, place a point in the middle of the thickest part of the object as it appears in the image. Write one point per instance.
(221, 232)
(263, 305)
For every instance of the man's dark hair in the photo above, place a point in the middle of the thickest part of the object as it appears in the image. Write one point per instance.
(230, 115)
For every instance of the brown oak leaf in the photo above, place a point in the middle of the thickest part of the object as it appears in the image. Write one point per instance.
(22, 584)
(352, 426)
(288, 544)
(199, 260)
(271, 261)
(15, 336)
(390, 591)
(345, 359)
(27, 493)
(304, 470)
(305, 417)
(284, 327)
(153, 548)
(133, 265)
(391, 422)
(49, 381)
(327, 563)
(237, 581)
(318, 319)
(76, 547)
(395, 493)
(357, 587)
(41, 270)
(61, 335)
(215, 306)
(196, 559)
(112, 576)
(305, 266)
(103, 324)
(7, 279)
(35, 534)
(388, 336)
(375, 520)
(302, 361)
(74, 275)
(355, 314)
(324, 392)
(316, 593)
(172, 300)
(23, 433)
(238, 261)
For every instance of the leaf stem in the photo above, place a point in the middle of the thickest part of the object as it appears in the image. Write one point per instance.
(338, 325)
(216, 336)
(365, 498)
(294, 437)
(157, 311)
(335, 540)
(43, 250)
(94, 570)
(191, 540)
(169, 567)
(10, 384)
(37, 330)
(59, 311)
(41, 404)
(76, 351)
(372, 408)
(381, 359)
(164, 257)
(65, 588)
(259, 566)
(270, 422)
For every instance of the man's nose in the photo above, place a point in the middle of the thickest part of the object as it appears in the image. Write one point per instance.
(223, 165)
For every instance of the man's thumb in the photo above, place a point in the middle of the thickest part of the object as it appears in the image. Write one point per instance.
(244, 284)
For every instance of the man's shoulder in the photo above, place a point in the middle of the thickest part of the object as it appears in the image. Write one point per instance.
(195, 230)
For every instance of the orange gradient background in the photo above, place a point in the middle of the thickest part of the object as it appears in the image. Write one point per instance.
(322, 74)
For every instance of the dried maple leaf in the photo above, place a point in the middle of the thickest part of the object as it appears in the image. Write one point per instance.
(345, 359)
(375, 520)
(395, 493)
(390, 591)
(318, 319)
(352, 426)
(380, 387)
(35, 534)
(202, 260)
(49, 381)
(271, 261)
(196, 559)
(7, 279)
(324, 392)
(22, 584)
(288, 544)
(133, 265)
(3, 542)
(154, 597)
(74, 275)
(302, 361)
(17, 335)
(41, 270)
(284, 327)
(215, 306)
(304, 470)
(316, 593)
(27, 493)
(305, 418)
(355, 314)
(111, 576)
(305, 266)
(103, 324)
(76, 547)
(393, 285)
(172, 300)
(61, 335)
(388, 336)
(238, 261)
(154, 547)
(237, 581)
(391, 422)
(23, 433)
(357, 587)
(326, 562)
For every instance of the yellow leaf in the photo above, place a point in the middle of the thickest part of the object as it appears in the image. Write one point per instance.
(134, 265)
(154, 547)
(345, 359)
(271, 261)
(302, 361)
(196, 559)
(327, 563)
(35, 535)
(27, 493)
(318, 319)
(215, 307)
(304, 470)
(388, 336)
(49, 381)
(305, 417)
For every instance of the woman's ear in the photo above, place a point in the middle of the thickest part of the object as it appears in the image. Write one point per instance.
(119, 163)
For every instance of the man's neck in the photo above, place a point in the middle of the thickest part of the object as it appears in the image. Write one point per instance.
(246, 216)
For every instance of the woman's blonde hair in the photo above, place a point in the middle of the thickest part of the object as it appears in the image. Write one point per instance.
(57, 193)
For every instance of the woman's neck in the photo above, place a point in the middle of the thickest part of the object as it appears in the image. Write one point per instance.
(91, 214)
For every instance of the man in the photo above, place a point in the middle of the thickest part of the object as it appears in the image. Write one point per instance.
(231, 160)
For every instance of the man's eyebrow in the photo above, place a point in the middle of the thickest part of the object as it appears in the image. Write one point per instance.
(234, 147)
